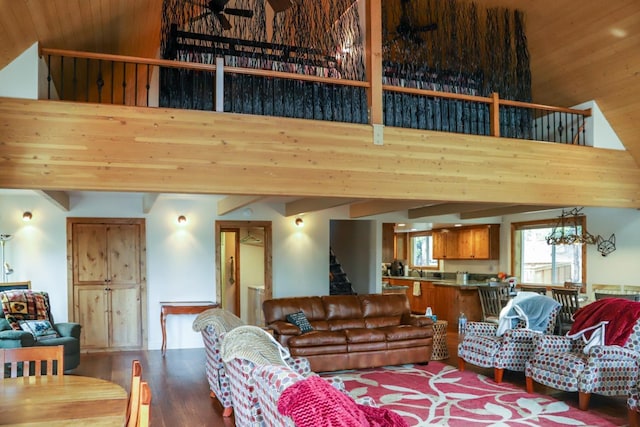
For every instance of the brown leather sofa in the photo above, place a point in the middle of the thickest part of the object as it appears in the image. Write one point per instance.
(352, 331)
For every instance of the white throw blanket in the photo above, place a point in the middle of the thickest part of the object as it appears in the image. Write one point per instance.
(533, 308)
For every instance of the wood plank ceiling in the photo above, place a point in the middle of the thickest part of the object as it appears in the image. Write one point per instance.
(579, 51)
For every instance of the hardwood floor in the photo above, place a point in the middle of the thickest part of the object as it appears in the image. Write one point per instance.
(180, 393)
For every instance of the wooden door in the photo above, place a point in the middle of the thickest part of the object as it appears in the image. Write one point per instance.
(124, 313)
(91, 310)
(107, 281)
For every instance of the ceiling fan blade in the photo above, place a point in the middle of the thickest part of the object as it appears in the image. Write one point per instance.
(202, 15)
(217, 5)
(226, 25)
(245, 13)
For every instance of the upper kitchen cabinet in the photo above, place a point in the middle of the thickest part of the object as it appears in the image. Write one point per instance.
(445, 244)
(394, 245)
(473, 242)
(388, 253)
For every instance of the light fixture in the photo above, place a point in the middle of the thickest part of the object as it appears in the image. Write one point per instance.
(26, 217)
(182, 219)
(569, 230)
(299, 222)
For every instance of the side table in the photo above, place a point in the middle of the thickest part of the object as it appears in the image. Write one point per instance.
(440, 350)
(180, 307)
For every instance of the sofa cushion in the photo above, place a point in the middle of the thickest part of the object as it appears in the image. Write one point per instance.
(300, 320)
(364, 335)
(277, 309)
(342, 307)
(318, 338)
(40, 329)
(405, 332)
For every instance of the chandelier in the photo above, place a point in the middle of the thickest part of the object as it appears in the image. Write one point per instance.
(569, 230)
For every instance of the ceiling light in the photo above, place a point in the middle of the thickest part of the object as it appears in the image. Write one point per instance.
(299, 222)
(27, 216)
(182, 219)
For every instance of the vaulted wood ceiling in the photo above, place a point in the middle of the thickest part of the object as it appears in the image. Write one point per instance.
(580, 51)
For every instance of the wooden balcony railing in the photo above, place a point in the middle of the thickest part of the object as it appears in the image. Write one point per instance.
(102, 78)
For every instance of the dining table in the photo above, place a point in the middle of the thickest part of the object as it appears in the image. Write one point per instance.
(62, 400)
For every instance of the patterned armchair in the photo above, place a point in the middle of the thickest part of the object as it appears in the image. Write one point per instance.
(572, 363)
(482, 346)
(242, 350)
(213, 324)
(272, 380)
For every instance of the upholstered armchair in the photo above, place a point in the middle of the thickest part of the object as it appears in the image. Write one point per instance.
(483, 346)
(16, 325)
(599, 355)
(242, 350)
(213, 324)
(272, 380)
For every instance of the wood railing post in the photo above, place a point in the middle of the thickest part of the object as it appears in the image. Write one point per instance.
(495, 114)
(219, 84)
(373, 50)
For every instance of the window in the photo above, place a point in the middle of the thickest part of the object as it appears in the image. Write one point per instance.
(421, 248)
(535, 261)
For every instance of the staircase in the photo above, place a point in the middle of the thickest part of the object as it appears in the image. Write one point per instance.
(339, 283)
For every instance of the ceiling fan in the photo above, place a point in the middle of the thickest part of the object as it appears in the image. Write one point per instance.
(218, 9)
(405, 30)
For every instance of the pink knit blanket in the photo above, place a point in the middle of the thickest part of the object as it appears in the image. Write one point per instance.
(313, 402)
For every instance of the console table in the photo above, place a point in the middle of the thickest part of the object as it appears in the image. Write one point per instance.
(180, 307)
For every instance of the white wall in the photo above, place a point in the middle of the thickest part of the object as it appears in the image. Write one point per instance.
(180, 259)
(619, 267)
(19, 79)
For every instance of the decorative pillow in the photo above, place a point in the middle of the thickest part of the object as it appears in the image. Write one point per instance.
(41, 329)
(24, 305)
(300, 320)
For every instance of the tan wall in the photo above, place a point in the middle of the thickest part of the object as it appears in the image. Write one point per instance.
(68, 146)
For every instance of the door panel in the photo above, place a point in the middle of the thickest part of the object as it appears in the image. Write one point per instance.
(89, 253)
(124, 254)
(92, 312)
(126, 325)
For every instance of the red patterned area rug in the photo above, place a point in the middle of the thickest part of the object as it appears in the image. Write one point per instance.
(439, 395)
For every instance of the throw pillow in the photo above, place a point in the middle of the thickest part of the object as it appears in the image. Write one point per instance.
(24, 305)
(300, 320)
(40, 329)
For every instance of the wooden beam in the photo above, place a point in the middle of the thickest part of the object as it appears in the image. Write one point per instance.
(99, 147)
(446, 209)
(232, 203)
(373, 47)
(148, 200)
(505, 210)
(58, 198)
(376, 207)
(313, 204)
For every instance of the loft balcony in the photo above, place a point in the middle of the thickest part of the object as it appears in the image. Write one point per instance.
(280, 86)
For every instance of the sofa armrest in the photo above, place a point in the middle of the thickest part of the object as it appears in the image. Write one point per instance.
(481, 329)
(12, 338)
(417, 320)
(68, 329)
(284, 328)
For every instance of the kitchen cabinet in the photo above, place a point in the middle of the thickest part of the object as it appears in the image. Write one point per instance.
(107, 281)
(445, 244)
(418, 303)
(388, 242)
(476, 242)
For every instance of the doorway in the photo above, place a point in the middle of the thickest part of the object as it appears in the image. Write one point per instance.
(243, 267)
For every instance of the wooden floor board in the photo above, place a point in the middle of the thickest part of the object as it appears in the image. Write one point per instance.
(180, 393)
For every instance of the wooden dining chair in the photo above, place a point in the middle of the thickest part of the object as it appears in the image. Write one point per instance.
(144, 405)
(492, 299)
(134, 394)
(570, 304)
(542, 290)
(49, 357)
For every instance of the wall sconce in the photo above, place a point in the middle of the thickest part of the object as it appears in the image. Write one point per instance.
(26, 217)
(182, 220)
(299, 222)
